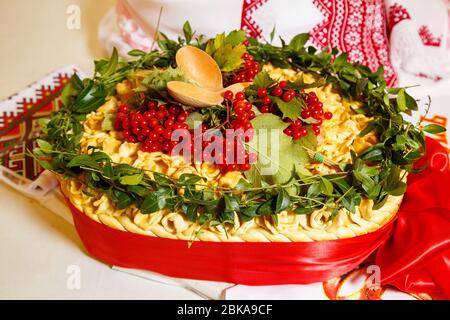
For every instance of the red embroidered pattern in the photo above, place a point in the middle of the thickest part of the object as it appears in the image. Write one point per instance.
(247, 23)
(427, 37)
(19, 125)
(397, 13)
(24, 105)
(358, 28)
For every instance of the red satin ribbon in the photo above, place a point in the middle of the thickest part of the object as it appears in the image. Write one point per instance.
(413, 255)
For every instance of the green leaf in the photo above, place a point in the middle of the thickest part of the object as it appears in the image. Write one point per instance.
(393, 177)
(132, 180)
(229, 58)
(156, 80)
(136, 53)
(227, 217)
(434, 128)
(333, 213)
(152, 203)
(374, 153)
(111, 67)
(42, 122)
(401, 100)
(380, 202)
(326, 186)
(303, 173)
(191, 211)
(204, 218)
(194, 120)
(298, 42)
(266, 208)
(231, 203)
(283, 201)
(139, 190)
(210, 47)
(83, 160)
(398, 190)
(351, 201)
(71, 89)
(291, 109)
(249, 213)
(108, 171)
(187, 30)
(125, 169)
(386, 99)
(79, 117)
(274, 219)
(278, 154)
(38, 152)
(305, 210)
(262, 80)
(219, 40)
(369, 128)
(121, 199)
(235, 37)
(309, 142)
(188, 179)
(90, 98)
(46, 165)
(341, 59)
(227, 50)
(411, 103)
(300, 84)
(313, 190)
(361, 85)
(272, 34)
(162, 179)
(44, 145)
(243, 185)
(100, 156)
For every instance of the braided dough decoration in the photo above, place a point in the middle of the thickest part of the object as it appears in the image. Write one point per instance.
(290, 227)
(339, 136)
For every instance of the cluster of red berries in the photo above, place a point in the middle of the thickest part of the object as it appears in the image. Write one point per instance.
(243, 113)
(313, 110)
(248, 72)
(281, 91)
(231, 157)
(152, 127)
(296, 130)
(239, 153)
(242, 116)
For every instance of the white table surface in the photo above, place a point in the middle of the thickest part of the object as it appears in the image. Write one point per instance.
(37, 247)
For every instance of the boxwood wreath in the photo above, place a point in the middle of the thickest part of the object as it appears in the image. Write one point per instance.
(374, 174)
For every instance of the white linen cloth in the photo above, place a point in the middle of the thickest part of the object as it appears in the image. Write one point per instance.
(419, 37)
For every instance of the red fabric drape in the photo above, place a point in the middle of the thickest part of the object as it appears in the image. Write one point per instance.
(416, 258)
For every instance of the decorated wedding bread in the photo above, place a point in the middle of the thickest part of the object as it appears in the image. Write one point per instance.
(231, 139)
